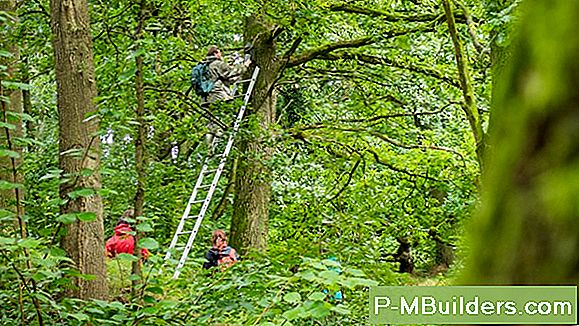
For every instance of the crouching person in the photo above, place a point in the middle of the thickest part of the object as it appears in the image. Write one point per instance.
(220, 254)
(123, 241)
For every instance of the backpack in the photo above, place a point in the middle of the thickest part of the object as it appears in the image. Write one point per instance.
(227, 258)
(200, 79)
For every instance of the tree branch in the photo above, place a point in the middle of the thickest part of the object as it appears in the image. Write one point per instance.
(350, 175)
(327, 48)
(392, 63)
(387, 16)
(379, 160)
(398, 115)
(385, 138)
(471, 31)
(196, 107)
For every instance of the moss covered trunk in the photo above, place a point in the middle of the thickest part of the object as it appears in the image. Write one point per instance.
(527, 230)
(249, 225)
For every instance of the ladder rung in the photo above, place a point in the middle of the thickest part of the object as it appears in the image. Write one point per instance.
(205, 186)
(191, 216)
(184, 232)
(198, 201)
(209, 171)
(244, 81)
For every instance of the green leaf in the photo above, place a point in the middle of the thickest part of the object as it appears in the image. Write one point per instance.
(86, 216)
(144, 227)
(4, 213)
(127, 74)
(29, 243)
(120, 317)
(9, 153)
(87, 277)
(292, 297)
(79, 316)
(149, 299)
(294, 313)
(341, 309)
(134, 277)
(148, 243)
(330, 276)
(95, 311)
(16, 85)
(5, 185)
(4, 241)
(307, 275)
(86, 192)
(317, 296)
(319, 309)
(355, 272)
(7, 125)
(155, 290)
(126, 257)
(57, 252)
(67, 218)
(86, 172)
(365, 282)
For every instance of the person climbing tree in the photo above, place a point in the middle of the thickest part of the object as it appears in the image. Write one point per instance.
(222, 75)
(212, 80)
(123, 241)
(220, 254)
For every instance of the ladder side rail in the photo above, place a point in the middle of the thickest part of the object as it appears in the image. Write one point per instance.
(187, 211)
(251, 85)
(204, 208)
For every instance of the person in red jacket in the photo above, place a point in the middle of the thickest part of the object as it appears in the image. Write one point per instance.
(123, 241)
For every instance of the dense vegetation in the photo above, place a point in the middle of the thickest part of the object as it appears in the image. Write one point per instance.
(365, 142)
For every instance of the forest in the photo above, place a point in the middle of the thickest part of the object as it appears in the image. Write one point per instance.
(388, 142)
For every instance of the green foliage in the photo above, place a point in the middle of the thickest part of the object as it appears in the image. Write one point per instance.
(364, 153)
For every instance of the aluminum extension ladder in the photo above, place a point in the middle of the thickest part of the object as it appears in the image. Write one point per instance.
(197, 208)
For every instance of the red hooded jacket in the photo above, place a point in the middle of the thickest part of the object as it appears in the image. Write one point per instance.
(123, 242)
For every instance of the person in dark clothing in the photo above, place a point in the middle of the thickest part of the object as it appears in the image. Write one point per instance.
(220, 254)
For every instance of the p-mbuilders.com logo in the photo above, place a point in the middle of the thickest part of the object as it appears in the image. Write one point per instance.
(473, 305)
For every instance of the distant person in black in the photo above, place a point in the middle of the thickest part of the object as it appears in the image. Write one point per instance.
(220, 254)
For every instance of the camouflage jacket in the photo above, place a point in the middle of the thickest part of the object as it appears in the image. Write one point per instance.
(224, 76)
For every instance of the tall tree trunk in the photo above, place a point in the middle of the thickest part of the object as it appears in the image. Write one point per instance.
(79, 143)
(11, 114)
(469, 106)
(10, 165)
(249, 225)
(526, 231)
(139, 144)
